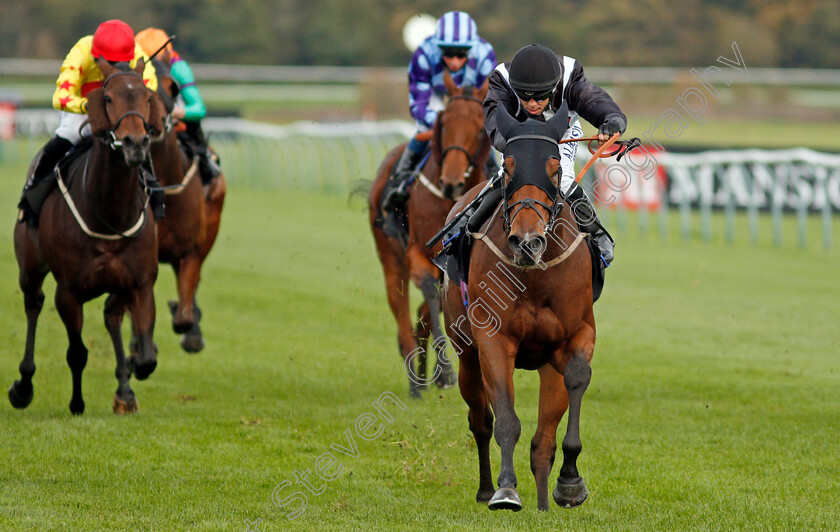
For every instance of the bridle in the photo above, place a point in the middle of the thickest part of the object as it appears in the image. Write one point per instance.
(471, 157)
(110, 139)
(554, 209)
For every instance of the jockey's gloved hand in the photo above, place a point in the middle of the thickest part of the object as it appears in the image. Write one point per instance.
(613, 123)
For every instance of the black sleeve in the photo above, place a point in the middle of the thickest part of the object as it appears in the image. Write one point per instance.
(498, 93)
(590, 101)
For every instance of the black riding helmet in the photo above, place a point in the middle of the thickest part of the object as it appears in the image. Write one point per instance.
(534, 72)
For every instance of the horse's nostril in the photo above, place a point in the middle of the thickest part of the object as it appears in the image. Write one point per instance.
(536, 245)
(514, 241)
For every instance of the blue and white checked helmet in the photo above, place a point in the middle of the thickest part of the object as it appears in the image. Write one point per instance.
(455, 28)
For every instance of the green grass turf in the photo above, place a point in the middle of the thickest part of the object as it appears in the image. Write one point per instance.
(713, 404)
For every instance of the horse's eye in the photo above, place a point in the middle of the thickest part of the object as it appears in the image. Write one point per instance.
(107, 99)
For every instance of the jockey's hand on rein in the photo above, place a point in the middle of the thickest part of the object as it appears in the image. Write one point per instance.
(613, 123)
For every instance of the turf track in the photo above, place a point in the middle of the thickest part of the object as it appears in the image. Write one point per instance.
(714, 403)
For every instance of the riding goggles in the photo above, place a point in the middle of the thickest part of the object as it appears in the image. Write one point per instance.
(454, 51)
(526, 96)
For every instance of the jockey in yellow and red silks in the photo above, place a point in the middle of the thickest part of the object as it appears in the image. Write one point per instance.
(113, 42)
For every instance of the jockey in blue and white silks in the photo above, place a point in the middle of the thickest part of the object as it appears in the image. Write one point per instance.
(456, 47)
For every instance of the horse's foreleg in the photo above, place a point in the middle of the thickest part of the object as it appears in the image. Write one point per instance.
(497, 357)
(480, 417)
(21, 391)
(142, 309)
(571, 489)
(124, 400)
(553, 404)
(70, 310)
(188, 274)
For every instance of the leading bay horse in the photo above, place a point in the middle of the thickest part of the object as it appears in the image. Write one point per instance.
(193, 213)
(530, 307)
(459, 149)
(97, 235)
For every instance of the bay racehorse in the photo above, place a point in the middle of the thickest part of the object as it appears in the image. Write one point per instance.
(530, 307)
(193, 212)
(459, 149)
(97, 235)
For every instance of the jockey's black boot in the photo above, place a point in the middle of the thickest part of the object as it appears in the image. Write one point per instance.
(398, 195)
(156, 193)
(208, 167)
(588, 222)
(37, 188)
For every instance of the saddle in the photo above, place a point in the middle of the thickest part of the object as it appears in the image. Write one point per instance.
(36, 193)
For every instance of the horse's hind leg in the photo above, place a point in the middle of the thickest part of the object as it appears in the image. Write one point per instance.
(21, 391)
(193, 340)
(553, 404)
(421, 336)
(142, 309)
(70, 310)
(396, 286)
(571, 489)
(124, 400)
(430, 286)
(188, 273)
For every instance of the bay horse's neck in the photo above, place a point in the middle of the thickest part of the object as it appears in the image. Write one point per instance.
(166, 157)
(110, 190)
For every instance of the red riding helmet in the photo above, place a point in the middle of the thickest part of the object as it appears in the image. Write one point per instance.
(113, 41)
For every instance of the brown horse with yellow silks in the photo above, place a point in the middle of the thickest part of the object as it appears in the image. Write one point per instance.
(97, 235)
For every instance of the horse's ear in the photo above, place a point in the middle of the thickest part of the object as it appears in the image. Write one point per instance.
(97, 115)
(140, 66)
(104, 67)
(156, 114)
(504, 122)
(559, 123)
(451, 88)
(481, 92)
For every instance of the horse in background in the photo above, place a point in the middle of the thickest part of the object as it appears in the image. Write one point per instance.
(529, 307)
(96, 236)
(193, 213)
(459, 149)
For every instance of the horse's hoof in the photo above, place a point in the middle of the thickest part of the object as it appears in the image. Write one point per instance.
(505, 499)
(192, 343)
(122, 407)
(141, 372)
(570, 495)
(414, 393)
(77, 408)
(20, 400)
(446, 379)
(483, 496)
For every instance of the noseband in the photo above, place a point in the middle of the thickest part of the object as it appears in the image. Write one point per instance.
(471, 157)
